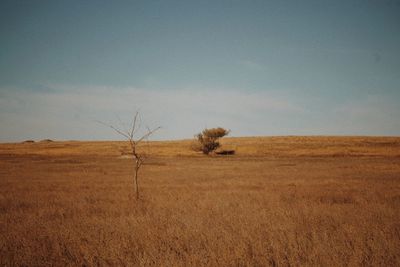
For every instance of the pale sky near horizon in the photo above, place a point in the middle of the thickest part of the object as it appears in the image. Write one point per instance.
(256, 67)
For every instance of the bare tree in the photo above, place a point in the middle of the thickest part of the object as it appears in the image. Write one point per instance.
(134, 141)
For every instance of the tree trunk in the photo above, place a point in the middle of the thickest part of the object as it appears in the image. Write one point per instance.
(135, 180)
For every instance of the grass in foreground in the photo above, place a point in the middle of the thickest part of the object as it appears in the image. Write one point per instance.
(279, 201)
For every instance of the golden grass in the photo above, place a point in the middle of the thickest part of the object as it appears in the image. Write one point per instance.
(326, 201)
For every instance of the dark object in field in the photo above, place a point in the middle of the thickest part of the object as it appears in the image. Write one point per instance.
(28, 141)
(46, 141)
(225, 152)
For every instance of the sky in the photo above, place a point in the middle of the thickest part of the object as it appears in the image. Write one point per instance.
(258, 68)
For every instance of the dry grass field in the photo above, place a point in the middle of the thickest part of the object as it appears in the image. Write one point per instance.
(279, 201)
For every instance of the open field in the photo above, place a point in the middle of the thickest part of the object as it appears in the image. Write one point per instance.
(319, 201)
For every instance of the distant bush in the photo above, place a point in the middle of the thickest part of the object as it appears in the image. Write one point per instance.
(207, 140)
(46, 141)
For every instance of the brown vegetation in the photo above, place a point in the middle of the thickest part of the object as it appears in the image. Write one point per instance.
(208, 140)
(326, 201)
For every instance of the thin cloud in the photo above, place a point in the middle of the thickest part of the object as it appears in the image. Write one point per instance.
(71, 111)
(370, 115)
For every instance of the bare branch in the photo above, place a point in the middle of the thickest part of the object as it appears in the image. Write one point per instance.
(123, 125)
(115, 129)
(148, 129)
(134, 126)
(150, 132)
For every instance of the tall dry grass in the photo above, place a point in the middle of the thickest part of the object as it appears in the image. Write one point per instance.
(280, 201)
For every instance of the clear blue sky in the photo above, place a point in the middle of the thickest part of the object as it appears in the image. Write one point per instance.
(256, 67)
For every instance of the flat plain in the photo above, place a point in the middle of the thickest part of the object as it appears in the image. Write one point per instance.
(279, 201)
